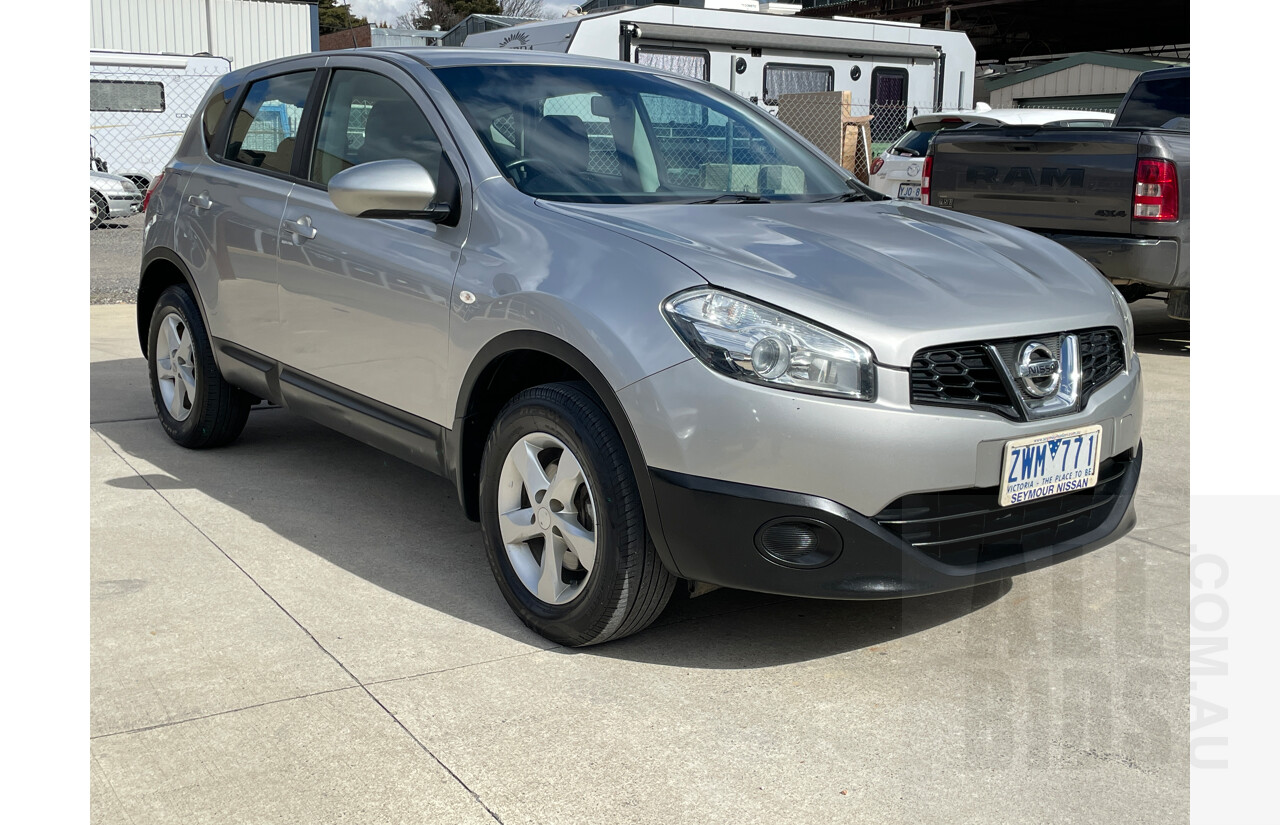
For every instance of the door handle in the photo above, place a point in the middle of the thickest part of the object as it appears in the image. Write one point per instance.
(301, 228)
(201, 201)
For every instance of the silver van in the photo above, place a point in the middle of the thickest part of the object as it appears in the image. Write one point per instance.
(652, 335)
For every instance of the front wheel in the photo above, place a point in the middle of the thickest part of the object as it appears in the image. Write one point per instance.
(196, 407)
(98, 210)
(563, 524)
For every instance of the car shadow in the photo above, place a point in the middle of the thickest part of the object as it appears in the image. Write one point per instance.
(114, 223)
(402, 529)
(1155, 333)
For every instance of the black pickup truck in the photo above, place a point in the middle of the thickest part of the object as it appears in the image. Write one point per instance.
(1118, 196)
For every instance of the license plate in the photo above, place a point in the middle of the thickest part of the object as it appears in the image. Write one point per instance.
(1050, 465)
(908, 191)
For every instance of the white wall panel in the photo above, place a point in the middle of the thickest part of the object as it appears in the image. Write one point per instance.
(244, 31)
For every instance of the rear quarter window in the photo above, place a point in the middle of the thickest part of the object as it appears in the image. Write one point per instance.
(212, 115)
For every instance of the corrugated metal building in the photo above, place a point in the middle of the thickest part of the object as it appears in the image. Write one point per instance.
(243, 31)
(1090, 80)
(473, 23)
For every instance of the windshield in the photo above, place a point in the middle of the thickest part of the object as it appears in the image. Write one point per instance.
(596, 135)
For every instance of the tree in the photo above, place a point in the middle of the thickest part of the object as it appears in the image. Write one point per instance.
(525, 8)
(448, 13)
(336, 17)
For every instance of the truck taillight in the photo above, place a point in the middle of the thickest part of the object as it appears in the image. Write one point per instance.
(146, 199)
(876, 164)
(1155, 190)
(925, 178)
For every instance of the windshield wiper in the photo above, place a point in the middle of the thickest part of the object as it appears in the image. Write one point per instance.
(852, 195)
(732, 197)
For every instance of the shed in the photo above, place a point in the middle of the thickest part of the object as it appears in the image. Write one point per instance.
(243, 31)
(1089, 80)
(366, 36)
(476, 23)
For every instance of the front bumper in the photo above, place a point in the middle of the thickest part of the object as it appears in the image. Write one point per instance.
(727, 457)
(715, 531)
(1149, 261)
(121, 206)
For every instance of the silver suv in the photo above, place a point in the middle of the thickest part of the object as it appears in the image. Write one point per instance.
(650, 333)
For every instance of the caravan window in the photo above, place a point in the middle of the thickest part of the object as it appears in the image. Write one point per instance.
(693, 63)
(780, 79)
(125, 96)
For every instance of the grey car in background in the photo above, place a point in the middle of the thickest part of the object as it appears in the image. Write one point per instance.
(650, 334)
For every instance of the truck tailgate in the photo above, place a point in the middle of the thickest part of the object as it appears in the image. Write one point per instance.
(1070, 180)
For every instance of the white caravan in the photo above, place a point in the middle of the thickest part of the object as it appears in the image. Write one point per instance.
(894, 70)
(140, 104)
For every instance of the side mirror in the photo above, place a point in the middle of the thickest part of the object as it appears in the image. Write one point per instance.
(397, 188)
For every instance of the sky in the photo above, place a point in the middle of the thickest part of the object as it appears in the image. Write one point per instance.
(379, 10)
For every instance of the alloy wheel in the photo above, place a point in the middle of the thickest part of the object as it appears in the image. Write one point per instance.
(547, 518)
(175, 366)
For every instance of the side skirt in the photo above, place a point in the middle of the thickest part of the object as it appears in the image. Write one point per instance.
(416, 440)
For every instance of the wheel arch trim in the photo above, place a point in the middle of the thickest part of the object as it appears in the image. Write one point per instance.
(144, 308)
(545, 344)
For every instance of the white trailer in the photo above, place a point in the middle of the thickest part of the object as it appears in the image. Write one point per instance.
(140, 104)
(894, 70)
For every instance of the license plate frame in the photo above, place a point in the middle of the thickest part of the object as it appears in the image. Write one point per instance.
(1050, 464)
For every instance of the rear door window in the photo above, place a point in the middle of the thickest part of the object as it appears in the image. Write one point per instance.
(1159, 104)
(265, 128)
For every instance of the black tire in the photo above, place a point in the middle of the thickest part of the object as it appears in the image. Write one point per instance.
(216, 412)
(98, 209)
(629, 586)
(1134, 292)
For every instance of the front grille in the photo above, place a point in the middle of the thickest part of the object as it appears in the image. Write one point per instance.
(1101, 358)
(979, 375)
(965, 527)
(961, 376)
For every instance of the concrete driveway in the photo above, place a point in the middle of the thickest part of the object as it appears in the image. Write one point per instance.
(299, 628)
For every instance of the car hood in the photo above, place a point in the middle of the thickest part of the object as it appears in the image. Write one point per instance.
(895, 275)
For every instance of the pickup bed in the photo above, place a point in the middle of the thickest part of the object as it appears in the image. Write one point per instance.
(1118, 196)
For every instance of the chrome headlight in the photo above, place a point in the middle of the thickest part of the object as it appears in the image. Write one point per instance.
(756, 343)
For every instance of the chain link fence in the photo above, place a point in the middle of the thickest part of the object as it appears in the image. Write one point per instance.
(849, 133)
(137, 115)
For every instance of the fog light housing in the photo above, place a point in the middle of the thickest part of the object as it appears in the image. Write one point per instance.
(799, 542)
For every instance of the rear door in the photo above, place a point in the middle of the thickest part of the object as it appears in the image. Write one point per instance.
(364, 302)
(228, 225)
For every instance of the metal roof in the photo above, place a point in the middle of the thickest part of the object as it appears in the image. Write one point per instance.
(1117, 61)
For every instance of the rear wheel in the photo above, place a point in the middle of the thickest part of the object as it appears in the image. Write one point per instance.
(562, 520)
(196, 407)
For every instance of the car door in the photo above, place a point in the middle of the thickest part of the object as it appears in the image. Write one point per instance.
(364, 302)
(228, 223)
